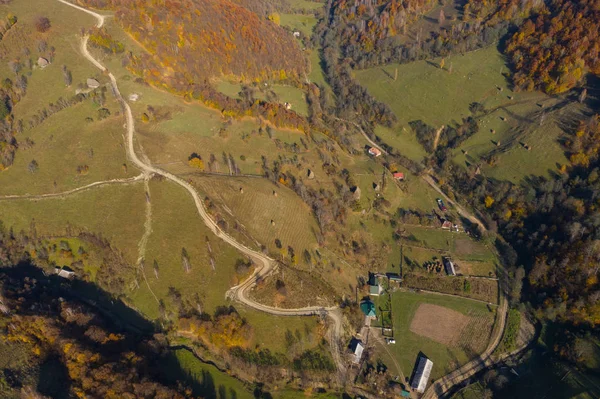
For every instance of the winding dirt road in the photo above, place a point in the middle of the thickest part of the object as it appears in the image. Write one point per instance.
(265, 264)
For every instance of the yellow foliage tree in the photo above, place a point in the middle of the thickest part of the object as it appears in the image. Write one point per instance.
(196, 162)
(489, 201)
(275, 18)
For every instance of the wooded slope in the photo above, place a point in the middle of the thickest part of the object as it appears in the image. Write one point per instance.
(192, 40)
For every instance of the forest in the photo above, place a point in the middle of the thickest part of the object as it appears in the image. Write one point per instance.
(189, 41)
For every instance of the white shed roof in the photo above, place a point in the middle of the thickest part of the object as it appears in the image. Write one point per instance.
(422, 374)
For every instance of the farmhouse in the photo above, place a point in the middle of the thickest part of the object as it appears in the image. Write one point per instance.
(446, 224)
(374, 151)
(64, 272)
(399, 176)
(42, 62)
(357, 348)
(368, 308)
(449, 266)
(419, 381)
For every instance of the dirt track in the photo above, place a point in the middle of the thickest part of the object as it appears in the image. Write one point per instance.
(265, 264)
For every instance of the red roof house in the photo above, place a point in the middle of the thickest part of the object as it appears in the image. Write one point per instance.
(399, 176)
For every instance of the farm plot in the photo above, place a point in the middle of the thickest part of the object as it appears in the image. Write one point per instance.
(438, 323)
(476, 288)
(417, 331)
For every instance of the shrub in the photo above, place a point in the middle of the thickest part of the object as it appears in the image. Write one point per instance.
(42, 24)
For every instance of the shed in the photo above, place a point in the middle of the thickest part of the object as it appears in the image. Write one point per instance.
(134, 97)
(92, 83)
(287, 105)
(296, 34)
(449, 266)
(422, 373)
(446, 224)
(357, 348)
(374, 151)
(310, 174)
(42, 62)
(64, 272)
(394, 277)
(375, 290)
(399, 176)
(368, 308)
(376, 187)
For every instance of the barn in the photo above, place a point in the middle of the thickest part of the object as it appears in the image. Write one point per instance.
(421, 376)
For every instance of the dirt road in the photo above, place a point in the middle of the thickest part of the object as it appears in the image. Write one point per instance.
(265, 264)
(459, 209)
(74, 191)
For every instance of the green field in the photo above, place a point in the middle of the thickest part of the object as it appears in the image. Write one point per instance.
(99, 146)
(116, 212)
(299, 22)
(408, 344)
(255, 208)
(306, 4)
(424, 91)
(176, 225)
(317, 74)
(210, 381)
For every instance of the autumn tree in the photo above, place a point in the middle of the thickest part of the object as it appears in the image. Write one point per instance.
(42, 24)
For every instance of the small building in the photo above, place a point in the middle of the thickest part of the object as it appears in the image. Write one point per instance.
(310, 174)
(368, 308)
(375, 290)
(287, 105)
(449, 266)
(422, 373)
(357, 348)
(64, 272)
(42, 62)
(296, 34)
(376, 187)
(394, 277)
(374, 151)
(134, 97)
(92, 83)
(399, 176)
(446, 224)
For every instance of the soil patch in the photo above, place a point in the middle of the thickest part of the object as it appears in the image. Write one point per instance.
(438, 323)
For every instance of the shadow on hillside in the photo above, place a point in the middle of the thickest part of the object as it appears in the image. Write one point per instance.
(118, 317)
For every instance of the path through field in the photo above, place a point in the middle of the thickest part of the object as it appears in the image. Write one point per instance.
(265, 263)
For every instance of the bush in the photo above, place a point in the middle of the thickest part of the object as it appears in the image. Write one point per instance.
(42, 24)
